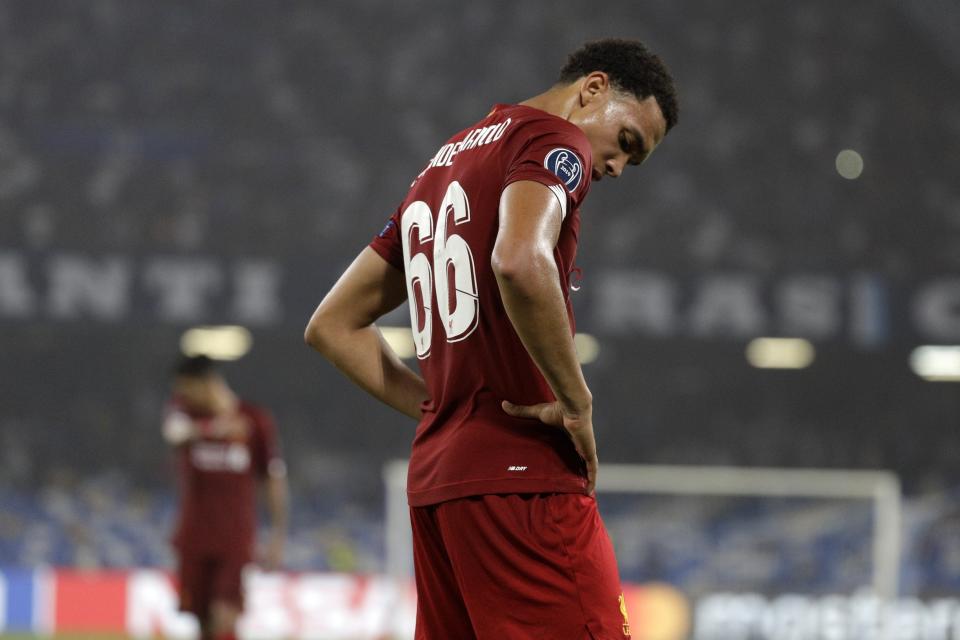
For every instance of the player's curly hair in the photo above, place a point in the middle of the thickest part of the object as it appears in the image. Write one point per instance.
(631, 67)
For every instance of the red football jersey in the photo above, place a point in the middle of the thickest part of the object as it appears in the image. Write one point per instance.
(442, 237)
(218, 484)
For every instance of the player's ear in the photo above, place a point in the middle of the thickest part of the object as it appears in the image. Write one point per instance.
(593, 86)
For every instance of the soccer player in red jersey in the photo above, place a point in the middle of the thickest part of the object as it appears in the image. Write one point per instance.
(508, 542)
(224, 448)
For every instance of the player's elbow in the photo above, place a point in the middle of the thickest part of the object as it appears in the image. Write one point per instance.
(518, 269)
(318, 331)
(310, 336)
(177, 429)
(507, 265)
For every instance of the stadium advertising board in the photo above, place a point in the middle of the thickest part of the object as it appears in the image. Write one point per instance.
(752, 616)
(143, 604)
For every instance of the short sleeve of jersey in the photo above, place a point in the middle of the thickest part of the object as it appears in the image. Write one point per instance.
(556, 158)
(388, 242)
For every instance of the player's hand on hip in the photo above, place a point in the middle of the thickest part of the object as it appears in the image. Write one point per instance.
(579, 426)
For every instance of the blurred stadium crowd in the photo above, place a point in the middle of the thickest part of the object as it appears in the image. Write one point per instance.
(744, 544)
(136, 131)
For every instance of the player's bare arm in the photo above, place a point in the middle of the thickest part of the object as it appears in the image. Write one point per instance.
(342, 329)
(530, 217)
(278, 501)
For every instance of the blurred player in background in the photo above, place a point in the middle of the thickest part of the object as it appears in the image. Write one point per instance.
(225, 447)
(508, 542)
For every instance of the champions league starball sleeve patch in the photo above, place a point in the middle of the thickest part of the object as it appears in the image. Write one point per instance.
(566, 165)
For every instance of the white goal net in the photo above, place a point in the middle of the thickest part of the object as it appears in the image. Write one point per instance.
(878, 491)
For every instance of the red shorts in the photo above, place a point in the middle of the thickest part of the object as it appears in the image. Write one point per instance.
(516, 567)
(206, 578)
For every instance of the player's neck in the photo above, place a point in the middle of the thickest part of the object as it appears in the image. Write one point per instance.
(558, 100)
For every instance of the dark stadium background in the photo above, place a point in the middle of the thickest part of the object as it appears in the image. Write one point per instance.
(221, 139)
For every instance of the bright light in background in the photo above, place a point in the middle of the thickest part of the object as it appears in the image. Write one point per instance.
(849, 164)
(401, 341)
(587, 347)
(780, 353)
(936, 363)
(228, 342)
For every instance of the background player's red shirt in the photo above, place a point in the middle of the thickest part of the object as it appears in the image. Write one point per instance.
(218, 485)
(442, 237)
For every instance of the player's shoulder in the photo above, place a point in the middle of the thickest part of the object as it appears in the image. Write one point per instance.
(558, 144)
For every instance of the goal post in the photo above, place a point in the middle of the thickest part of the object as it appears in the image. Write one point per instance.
(397, 535)
(882, 488)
